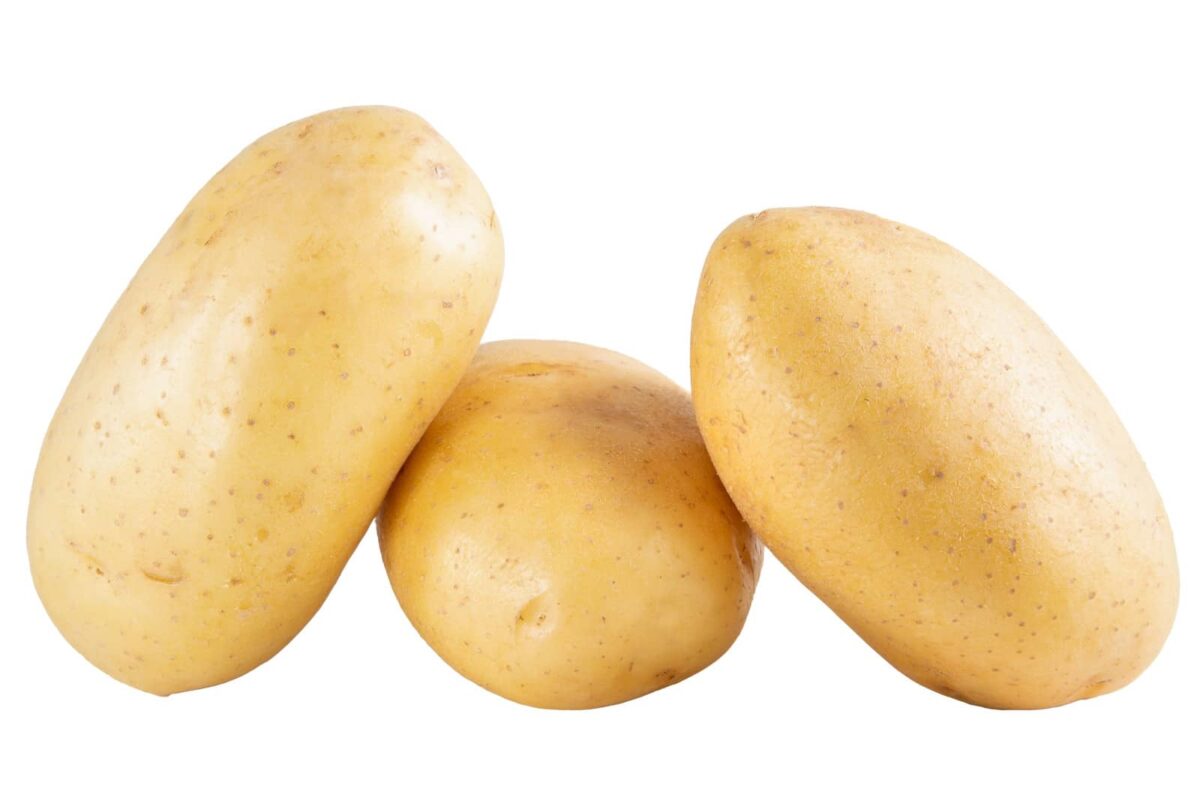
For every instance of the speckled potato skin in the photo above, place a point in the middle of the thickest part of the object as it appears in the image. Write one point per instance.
(920, 450)
(240, 415)
(560, 537)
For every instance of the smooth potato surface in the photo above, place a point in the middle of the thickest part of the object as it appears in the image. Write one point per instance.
(560, 537)
(242, 412)
(920, 450)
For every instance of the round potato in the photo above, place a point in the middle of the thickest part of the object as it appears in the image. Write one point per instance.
(918, 448)
(559, 535)
(239, 417)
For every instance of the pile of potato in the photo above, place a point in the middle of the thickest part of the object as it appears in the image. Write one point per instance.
(562, 524)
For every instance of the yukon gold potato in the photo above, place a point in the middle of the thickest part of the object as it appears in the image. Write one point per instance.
(242, 412)
(920, 450)
(560, 537)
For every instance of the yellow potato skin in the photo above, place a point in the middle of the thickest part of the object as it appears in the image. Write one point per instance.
(239, 417)
(560, 537)
(920, 450)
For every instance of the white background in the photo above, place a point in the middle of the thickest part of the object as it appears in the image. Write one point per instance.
(1055, 144)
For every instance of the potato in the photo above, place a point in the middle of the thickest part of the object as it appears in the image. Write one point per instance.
(560, 537)
(242, 412)
(922, 452)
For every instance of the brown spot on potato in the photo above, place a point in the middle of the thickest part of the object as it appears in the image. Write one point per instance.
(666, 676)
(293, 501)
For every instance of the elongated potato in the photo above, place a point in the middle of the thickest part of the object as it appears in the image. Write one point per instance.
(240, 415)
(920, 450)
(560, 537)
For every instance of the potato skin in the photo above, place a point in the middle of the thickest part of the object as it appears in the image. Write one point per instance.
(239, 417)
(920, 450)
(560, 537)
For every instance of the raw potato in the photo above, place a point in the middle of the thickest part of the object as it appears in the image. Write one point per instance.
(560, 537)
(922, 452)
(242, 412)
